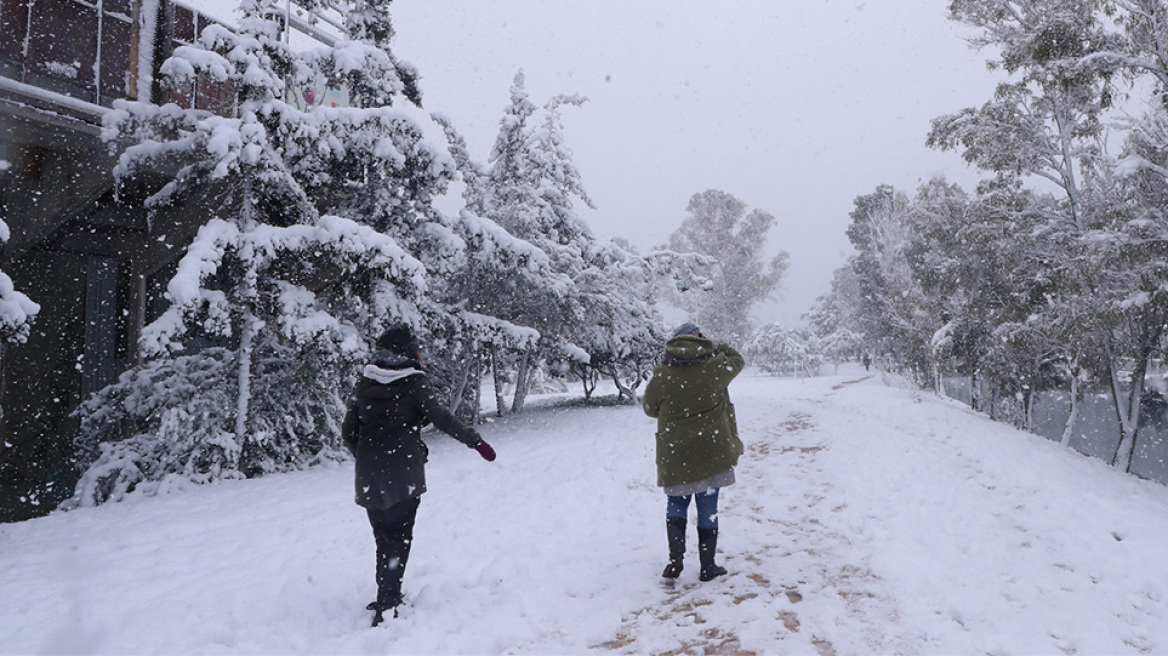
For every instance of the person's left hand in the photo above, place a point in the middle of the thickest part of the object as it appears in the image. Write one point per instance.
(485, 451)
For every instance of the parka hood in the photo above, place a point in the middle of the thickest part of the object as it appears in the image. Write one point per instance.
(688, 348)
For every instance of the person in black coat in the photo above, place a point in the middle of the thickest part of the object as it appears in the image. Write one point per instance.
(391, 404)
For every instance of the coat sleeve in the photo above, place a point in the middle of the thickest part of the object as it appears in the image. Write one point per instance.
(351, 427)
(444, 420)
(732, 364)
(651, 401)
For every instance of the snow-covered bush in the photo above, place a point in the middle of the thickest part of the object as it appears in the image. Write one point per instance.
(778, 350)
(17, 311)
(179, 416)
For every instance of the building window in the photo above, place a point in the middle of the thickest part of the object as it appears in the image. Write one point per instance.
(80, 48)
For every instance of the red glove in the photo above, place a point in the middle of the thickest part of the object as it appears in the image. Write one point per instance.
(485, 451)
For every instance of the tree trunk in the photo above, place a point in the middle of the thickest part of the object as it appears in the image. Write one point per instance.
(588, 379)
(461, 382)
(477, 381)
(1069, 429)
(1127, 409)
(1027, 408)
(522, 380)
(624, 390)
(243, 387)
(974, 392)
(500, 381)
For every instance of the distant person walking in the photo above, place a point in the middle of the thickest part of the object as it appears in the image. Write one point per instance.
(697, 439)
(867, 361)
(391, 403)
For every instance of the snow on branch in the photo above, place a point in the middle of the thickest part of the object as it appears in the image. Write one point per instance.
(498, 331)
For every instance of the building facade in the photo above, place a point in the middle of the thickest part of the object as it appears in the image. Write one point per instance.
(82, 248)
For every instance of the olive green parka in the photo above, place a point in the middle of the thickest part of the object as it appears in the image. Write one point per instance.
(697, 433)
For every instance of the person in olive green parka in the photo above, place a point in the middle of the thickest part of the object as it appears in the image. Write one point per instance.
(697, 438)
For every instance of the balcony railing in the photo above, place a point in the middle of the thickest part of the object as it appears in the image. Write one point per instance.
(90, 50)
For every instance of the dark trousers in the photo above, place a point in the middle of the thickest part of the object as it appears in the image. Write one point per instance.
(393, 531)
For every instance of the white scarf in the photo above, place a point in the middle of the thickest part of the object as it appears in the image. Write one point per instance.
(387, 376)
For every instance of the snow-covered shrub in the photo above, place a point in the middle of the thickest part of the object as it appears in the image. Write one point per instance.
(841, 346)
(778, 350)
(172, 421)
(178, 420)
(16, 310)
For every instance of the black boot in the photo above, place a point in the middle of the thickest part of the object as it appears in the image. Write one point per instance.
(675, 531)
(707, 547)
(378, 612)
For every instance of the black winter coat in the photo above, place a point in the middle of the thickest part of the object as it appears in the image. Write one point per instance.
(391, 404)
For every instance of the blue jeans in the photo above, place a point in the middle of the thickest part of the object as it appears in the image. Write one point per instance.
(707, 503)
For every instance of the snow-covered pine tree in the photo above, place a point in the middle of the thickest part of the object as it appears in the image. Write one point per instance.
(372, 163)
(533, 187)
(527, 189)
(17, 310)
(474, 327)
(620, 293)
(622, 336)
(276, 287)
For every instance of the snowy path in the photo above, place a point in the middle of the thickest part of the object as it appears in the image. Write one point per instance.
(867, 518)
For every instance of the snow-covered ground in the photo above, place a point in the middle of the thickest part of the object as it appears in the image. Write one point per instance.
(868, 518)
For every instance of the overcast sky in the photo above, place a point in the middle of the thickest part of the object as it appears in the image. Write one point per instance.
(794, 107)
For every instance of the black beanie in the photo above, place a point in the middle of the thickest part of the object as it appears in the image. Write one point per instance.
(399, 339)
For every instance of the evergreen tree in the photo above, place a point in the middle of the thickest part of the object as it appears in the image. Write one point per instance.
(285, 294)
(528, 189)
